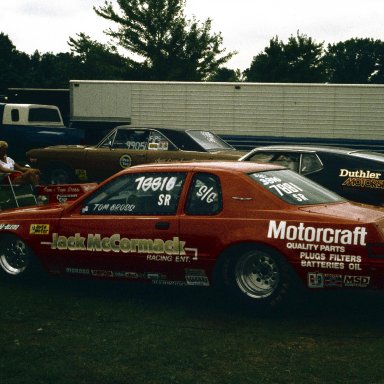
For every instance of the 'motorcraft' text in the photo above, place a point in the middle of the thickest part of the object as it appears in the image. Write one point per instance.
(300, 232)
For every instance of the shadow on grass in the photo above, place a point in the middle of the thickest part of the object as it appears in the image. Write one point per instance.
(355, 306)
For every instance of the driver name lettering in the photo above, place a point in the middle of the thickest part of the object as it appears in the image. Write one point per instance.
(116, 243)
(309, 234)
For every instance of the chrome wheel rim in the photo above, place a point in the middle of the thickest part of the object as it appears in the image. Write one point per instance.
(257, 274)
(14, 258)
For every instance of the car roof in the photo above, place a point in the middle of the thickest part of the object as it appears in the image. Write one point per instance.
(312, 148)
(179, 137)
(235, 166)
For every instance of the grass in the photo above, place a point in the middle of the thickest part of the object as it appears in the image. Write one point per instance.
(65, 331)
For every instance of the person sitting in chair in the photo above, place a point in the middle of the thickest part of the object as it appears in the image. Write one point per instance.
(17, 174)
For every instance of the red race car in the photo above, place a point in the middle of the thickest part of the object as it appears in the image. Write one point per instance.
(260, 231)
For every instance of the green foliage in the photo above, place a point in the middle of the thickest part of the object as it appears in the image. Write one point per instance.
(356, 61)
(298, 61)
(167, 45)
(14, 65)
(100, 61)
(160, 44)
(301, 60)
(226, 74)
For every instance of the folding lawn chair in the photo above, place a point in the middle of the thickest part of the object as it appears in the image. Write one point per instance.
(16, 195)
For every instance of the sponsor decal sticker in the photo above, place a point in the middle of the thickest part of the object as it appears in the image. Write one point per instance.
(329, 280)
(321, 247)
(39, 229)
(196, 277)
(81, 174)
(64, 198)
(319, 235)
(362, 179)
(78, 271)
(9, 227)
(125, 161)
(101, 273)
(315, 280)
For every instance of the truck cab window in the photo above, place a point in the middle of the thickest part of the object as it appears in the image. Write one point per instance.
(15, 116)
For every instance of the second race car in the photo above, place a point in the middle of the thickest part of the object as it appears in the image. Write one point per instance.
(124, 147)
(357, 175)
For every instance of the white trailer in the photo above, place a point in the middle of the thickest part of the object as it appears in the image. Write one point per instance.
(245, 114)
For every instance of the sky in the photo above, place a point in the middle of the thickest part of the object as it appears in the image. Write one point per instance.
(246, 26)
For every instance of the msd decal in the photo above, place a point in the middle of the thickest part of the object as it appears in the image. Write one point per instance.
(310, 234)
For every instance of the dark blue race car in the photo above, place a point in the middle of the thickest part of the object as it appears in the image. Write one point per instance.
(357, 175)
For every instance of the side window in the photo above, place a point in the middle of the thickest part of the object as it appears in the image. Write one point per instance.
(261, 157)
(108, 141)
(287, 159)
(44, 115)
(134, 140)
(15, 115)
(158, 142)
(204, 196)
(137, 194)
(310, 162)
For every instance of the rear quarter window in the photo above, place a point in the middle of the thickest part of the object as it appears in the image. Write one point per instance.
(294, 189)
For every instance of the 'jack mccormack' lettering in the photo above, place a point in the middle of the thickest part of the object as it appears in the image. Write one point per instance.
(116, 243)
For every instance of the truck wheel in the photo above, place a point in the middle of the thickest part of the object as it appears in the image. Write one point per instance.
(17, 260)
(260, 278)
(60, 174)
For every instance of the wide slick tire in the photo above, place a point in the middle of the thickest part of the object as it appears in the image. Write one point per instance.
(260, 278)
(17, 260)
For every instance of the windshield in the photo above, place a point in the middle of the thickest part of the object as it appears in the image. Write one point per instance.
(295, 189)
(209, 141)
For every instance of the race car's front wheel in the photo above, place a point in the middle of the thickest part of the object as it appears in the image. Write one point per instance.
(16, 258)
(260, 277)
(59, 174)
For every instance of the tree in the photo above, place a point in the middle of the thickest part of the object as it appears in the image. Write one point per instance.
(226, 74)
(161, 42)
(356, 61)
(298, 61)
(100, 61)
(14, 64)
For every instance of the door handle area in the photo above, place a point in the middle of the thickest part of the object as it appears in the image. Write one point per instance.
(162, 225)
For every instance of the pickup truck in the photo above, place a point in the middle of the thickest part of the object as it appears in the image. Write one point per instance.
(27, 126)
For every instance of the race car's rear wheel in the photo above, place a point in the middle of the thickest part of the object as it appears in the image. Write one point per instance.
(257, 274)
(260, 277)
(16, 258)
